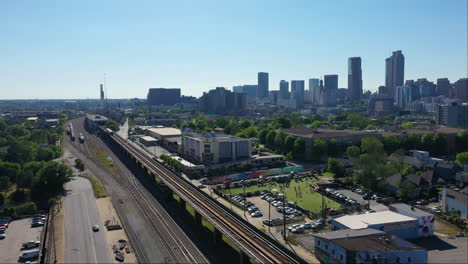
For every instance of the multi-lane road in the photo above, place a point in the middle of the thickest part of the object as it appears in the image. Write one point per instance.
(154, 235)
(82, 245)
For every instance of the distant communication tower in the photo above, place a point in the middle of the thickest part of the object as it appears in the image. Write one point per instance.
(102, 96)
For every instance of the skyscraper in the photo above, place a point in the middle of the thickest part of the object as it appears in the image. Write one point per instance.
(354, 78)
(443, 87)
(329, 90)
(163, 96)
(394, 72)
(314, 88)
(284, 90)
(297, 88)
(262, 88)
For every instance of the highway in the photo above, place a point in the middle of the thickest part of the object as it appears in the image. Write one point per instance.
(250, 240)
(153, 234)
(81, 213)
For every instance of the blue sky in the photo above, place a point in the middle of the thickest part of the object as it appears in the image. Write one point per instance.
(61, 49)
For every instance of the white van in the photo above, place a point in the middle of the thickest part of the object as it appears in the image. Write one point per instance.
(30, 255)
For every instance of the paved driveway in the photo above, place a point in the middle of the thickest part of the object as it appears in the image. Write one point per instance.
(81, 213)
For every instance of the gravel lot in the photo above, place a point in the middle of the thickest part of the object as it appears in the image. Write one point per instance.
(18, 232)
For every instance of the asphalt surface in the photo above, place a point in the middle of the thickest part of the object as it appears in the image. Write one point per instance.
(18, 232)
(153, 234)
(81, 213)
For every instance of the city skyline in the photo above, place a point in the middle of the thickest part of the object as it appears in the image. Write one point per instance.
(62, 50)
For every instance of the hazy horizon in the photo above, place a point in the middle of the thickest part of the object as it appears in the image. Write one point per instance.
(61, 49)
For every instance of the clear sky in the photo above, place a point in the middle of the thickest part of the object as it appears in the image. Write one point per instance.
(62, 48)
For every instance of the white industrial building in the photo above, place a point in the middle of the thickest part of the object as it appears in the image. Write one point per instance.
(213, 148)
(387, 221)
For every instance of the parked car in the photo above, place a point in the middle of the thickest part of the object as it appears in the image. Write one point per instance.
(36, 224)
(256, 214)
(2, 236)
(307, 226)
(30, 255)
(297, 230)
(31, 244)
(293, 226)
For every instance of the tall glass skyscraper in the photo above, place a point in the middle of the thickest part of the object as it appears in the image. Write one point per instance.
(297, 88)
(262, 88)
(284, 90)
(354, 78)
(394, 72)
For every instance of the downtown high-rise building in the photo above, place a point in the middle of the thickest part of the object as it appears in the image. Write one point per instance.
(394, 72)
(329, 90)
(354, 79)
(284, 90)
(443, 87)
(297, 89)
(262, 85)
(314, 88)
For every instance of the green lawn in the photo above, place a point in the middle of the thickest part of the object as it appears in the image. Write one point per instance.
(104, 158)
(309, 199)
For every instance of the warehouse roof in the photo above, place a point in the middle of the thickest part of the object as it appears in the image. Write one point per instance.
(349, 233)
(377, 243)
(409, 209)
(148, 139)
(166, 131)
(364, 220)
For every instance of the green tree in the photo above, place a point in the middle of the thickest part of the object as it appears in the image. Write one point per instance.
(221, 122)
(413, 141)
(462, 141)
(439, 144)
(263, 136)
(462, 158)
(245, 123)
(319, 148)
(20, 151)
(251, 132)
(279, 140)
(299, 148)
(282, 122)
(335, 166)
(406, 190)
(289, 143)
(113, 125)
(391, 143)
(50, 179)
(17, 131)
(353, 152)
(358, 121)
(373, 147)
(332, 147)
(4, 184)
(270, 138)
(426, 141)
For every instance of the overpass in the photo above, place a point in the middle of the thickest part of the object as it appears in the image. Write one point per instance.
(253, 243)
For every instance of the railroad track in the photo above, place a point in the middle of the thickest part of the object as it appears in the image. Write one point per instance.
(250, 239)
(175, 247)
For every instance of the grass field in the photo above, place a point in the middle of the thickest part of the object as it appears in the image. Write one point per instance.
(445, 228)
(305, 198)
(104, 158)
(98, 189)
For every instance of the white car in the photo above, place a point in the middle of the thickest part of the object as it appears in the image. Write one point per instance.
(293, 226)
(95, 228)
(256, 214)
(2, 236)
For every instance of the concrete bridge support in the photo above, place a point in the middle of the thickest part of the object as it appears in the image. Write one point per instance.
(182, 204)
(198, 218)
(217, 237)
(244, 258)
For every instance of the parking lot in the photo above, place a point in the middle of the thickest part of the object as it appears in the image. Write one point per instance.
(373, 204)
(18, 232)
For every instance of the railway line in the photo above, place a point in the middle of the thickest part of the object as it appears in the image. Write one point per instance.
(177, 247)
(250, 240)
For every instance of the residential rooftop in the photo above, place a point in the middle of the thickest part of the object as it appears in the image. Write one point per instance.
(364, 220)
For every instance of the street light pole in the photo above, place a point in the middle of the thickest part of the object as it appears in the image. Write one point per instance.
(269, 216)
